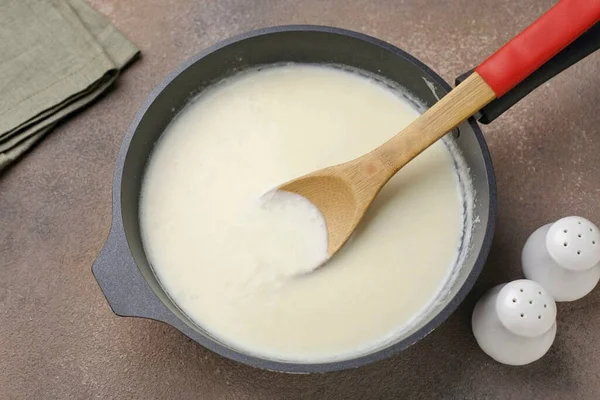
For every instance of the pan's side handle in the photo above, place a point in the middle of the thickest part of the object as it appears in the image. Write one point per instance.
(124, 287)
(583, 46)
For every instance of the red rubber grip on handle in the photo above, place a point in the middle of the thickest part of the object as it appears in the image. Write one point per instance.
(538, 43)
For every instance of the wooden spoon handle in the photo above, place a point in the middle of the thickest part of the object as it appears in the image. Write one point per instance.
(458, 105)
(506, 68)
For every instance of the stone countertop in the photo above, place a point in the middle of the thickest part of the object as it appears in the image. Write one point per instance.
(58, 337)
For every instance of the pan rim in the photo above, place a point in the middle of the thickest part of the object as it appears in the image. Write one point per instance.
(298, 367)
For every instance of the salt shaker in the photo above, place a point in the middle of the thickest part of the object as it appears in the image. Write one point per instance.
(564, 257)
(515, 323)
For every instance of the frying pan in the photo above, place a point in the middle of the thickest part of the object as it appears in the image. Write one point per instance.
(122, 269)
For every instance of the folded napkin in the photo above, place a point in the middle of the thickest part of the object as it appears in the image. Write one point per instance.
(56, 56)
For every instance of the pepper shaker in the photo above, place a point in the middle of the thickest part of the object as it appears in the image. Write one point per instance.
(564, 257)
(515, 323)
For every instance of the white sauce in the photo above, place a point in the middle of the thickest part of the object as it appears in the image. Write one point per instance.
(230, 261)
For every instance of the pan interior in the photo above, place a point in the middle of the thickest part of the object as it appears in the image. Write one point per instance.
(229, 262)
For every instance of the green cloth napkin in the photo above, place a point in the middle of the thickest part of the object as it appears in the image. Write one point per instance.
(56, 56)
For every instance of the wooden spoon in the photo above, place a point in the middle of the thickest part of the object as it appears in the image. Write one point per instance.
(344, 192)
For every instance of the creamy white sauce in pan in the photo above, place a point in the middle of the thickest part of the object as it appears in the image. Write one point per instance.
(230, 260)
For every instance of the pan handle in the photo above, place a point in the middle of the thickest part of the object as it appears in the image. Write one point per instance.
(125, 289)
(582, 47)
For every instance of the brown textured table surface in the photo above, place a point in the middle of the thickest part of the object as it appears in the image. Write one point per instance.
(58, 337)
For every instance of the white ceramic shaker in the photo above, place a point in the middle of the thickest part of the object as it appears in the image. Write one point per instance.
(515, 323)
(564, 257)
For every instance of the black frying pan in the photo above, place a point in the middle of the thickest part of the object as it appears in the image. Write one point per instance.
(122, 270)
